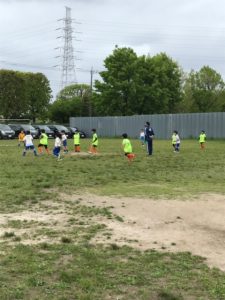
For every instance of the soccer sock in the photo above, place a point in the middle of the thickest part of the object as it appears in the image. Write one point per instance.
(92, 149)
(130, 156)
(40, 149)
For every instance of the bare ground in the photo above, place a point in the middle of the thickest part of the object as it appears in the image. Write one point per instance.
(195, 225)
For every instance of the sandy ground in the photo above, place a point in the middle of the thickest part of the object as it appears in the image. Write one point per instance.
(195, 225)
(79, 154)
(93, 154)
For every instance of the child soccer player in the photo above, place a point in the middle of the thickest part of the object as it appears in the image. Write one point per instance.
(57, 148)
(94, 143)
(64, 141)
(127, 147)
(177, 146)
(174, 139)
(202, 138)
(43, 142)
(76, 139)
(142, 137)
(28, 141)
(21, 137)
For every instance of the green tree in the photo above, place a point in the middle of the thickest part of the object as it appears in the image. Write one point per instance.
(72, 101)
(13, 97)
(117, 93)
(137, 85)
(23, 95)
(60, 111)
(204, 91)
(166, 85)
(159, 84)
(81, 96)
(38, 95)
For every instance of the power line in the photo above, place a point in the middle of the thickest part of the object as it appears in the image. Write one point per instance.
(27, 65)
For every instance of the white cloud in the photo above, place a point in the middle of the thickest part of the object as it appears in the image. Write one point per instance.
(192, 32)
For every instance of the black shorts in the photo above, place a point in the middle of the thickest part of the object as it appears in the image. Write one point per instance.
(41, 145)
(95, 146)
(126, 153)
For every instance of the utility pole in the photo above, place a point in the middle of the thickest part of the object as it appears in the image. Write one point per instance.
(91, 84)
(68, 73)
(92, 72)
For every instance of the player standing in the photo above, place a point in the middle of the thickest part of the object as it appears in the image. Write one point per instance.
(94, 142)
(21, 137)
(76, 139)
(28, 141)
(202, 139)
(64, 141)
(43, 142)
(127, 147)
(57, 148)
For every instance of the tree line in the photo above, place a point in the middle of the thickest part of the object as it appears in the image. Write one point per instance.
(133, 85)
(24, 95)
(129, 85)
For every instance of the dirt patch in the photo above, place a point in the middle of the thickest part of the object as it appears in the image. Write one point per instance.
(93, 154)
(195, 225)
(80, 154)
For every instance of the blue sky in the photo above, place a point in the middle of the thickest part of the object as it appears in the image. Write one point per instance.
(191, 32)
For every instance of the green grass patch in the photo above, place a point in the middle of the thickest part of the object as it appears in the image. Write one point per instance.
(72, 268)
(192, 171)
(67, 271)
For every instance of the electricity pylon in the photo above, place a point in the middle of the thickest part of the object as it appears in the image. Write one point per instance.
(68, 73)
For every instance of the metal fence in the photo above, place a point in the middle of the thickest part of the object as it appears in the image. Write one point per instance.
(188, 125)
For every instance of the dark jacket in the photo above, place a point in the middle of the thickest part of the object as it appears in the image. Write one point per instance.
(149, 133)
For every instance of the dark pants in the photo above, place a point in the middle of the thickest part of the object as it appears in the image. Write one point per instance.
(177, 147)
(149, 147)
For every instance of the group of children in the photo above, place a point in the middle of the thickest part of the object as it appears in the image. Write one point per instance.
(60, 140)
(176, 140)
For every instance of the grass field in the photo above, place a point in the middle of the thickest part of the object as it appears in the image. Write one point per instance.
(66, 265)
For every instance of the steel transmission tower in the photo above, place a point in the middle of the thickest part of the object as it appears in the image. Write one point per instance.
(68, 75)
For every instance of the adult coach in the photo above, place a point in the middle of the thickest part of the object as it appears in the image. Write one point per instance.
(149, 134)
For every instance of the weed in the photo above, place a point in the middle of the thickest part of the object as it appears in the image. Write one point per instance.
(8, 234)
(118, 218)
(66, 240)
(168, 296)
(114, 247)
